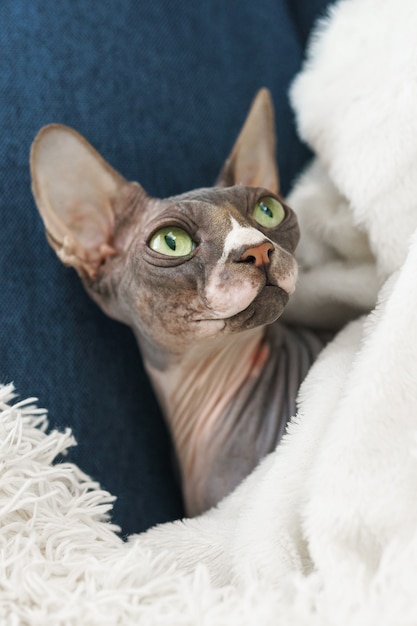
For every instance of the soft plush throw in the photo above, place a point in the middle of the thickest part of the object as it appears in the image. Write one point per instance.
(324, 532)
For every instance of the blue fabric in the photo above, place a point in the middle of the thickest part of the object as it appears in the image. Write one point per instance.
(161, 89)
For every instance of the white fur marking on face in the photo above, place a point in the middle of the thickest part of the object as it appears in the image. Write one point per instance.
(241, 236)
(288, 281)
(227, 298)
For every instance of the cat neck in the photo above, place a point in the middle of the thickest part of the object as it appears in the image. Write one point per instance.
(227, 402)
(196, 389)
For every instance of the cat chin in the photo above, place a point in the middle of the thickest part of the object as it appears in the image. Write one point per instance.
(265, 309)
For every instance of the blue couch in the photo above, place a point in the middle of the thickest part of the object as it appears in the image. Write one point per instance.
(161, 89)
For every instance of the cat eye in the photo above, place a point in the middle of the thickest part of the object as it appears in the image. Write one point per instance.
(172, 241)
(268, 212)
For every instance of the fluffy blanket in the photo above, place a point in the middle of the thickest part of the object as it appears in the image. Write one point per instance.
(324, 532)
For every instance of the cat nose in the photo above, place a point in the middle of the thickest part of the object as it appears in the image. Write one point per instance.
(258, 255)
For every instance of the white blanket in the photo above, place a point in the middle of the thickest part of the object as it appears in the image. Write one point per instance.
(324, 532)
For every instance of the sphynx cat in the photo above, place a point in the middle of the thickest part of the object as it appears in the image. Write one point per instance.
(201, 278)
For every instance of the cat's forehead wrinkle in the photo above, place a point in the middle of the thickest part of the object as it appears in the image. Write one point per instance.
(238, 196)
(190, 205)
(206, 209)
(217, 203)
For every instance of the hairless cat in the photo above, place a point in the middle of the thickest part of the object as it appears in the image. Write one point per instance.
(201, 278)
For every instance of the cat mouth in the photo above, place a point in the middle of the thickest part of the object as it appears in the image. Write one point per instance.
(265, 308)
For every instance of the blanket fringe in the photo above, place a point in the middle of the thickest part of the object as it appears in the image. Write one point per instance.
(63, 564)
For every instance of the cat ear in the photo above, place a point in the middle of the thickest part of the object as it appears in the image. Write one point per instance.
(252, 161)
(75, 190)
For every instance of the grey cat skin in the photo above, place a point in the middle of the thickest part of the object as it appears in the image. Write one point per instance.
(201, 278)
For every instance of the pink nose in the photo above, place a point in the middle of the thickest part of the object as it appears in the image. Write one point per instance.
(258, 255)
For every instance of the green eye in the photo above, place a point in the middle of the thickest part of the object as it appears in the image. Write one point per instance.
(268, 212)
(172, 241)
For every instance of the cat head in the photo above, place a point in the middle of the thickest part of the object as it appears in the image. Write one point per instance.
(199, 265)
